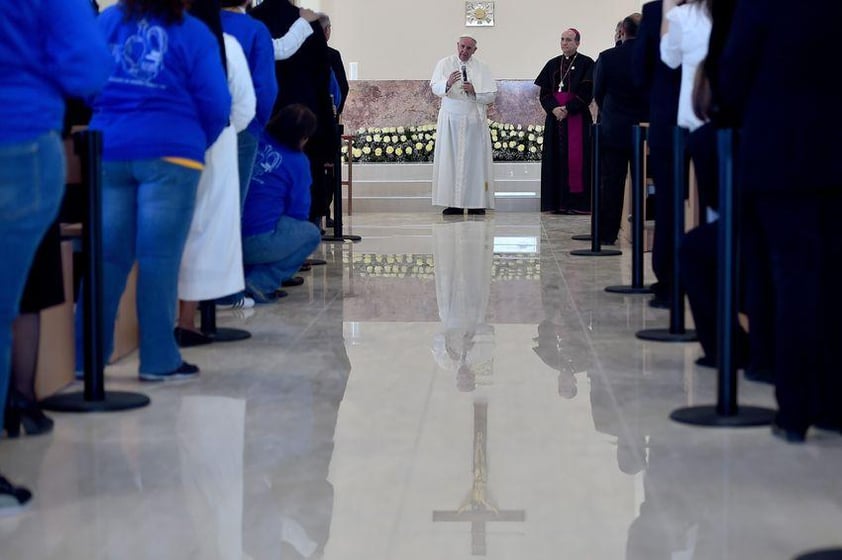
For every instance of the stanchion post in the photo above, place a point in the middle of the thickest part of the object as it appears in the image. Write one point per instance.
(93, 397)
(676, 331)
(726, 412)
(596, 249)
(337, 198)
(637, 181)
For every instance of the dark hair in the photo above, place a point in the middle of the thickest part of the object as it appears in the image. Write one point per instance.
(291, 125)
(170, 10)
(630, 26)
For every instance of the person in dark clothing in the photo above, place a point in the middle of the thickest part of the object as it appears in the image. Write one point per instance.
(663, 85)
(622, 104)
(791, 181)
(305, 78)
(566, 83)
(336, 65)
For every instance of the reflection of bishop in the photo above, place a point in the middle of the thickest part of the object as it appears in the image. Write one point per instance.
(559, 337)
(463, 253)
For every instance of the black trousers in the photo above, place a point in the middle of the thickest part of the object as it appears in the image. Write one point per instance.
(799, 232)
(615, 168)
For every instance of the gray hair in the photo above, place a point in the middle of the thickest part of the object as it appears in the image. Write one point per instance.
(324, 20)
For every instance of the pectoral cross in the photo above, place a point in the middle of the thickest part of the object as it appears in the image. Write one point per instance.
(477, 509)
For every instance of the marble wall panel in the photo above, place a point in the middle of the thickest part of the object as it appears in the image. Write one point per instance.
(379, 103)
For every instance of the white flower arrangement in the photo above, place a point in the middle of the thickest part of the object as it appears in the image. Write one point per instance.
(416, 144)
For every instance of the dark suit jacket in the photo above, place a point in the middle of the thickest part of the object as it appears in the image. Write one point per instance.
(660, 82)
(622, 103)
(305, 76)
(789, 97)
(339, 70)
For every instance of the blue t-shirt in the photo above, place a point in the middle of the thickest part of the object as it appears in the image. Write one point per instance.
(280, 186)
(256, 41)
(49, 50)
(167, 96)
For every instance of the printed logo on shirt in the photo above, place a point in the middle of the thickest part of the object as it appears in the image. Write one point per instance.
(141, 56)
(267, 161)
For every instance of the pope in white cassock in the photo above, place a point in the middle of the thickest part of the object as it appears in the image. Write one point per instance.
(462, 165)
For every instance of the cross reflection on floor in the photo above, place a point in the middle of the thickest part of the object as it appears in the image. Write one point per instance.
(477, 507)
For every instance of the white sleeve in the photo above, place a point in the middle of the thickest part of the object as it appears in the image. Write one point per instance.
(671, 53)
(486, 98)
(289, 44)
(439, 80)
(243, 100)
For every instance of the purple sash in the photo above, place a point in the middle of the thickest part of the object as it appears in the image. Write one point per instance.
(575, 145)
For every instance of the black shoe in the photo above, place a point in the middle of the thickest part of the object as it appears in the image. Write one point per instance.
(706, 361)
(562, 212)
(659, 303)
(314, 262)
(789, 436)
(184, 371)
(281, 294)
(186, 338)
(292, 282)
(21, 412)
(476, 211)
(12, 498)
(579, 212)
(451, 211)
(760, 375)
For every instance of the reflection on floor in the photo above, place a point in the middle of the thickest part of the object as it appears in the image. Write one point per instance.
(446, 388)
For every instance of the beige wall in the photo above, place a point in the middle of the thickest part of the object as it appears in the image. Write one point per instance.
(403, 39)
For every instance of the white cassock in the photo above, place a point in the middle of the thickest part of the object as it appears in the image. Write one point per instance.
(463, 173)
(212, 263)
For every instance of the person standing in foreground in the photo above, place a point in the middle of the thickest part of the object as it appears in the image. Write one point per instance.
(50, 49)
(566, 83)
(463, 175)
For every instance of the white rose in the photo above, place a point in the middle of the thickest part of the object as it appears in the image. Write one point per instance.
(378, 152)
(512, 144)
(409, 151)
(387, 139)
(419, 146)
(521, 148)
(366, 150)
(533, 149)
(394, 138)
(390, 150)
(403, 138)
(429, 147)
(531, 137)
(377, 138)
(540, 140)
(368, 138)
(497, 145)
(399, 152)
(357, 152)
(401, 130)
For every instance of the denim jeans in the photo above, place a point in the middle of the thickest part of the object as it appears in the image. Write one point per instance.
(246, 155)
(147, 207)
(274, 256)
(31, 187)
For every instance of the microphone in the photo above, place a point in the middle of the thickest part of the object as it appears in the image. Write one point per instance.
(464, 73)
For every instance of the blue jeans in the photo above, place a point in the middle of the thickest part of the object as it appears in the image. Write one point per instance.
(147, 207)
(246, 155)
(31, 187)
(274, 256)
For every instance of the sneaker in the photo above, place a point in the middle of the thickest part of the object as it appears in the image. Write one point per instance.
(184, 371)
(239, 302)
(13, 498)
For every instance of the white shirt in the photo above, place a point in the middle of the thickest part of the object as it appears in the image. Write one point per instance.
(289, 44)
(686, 45)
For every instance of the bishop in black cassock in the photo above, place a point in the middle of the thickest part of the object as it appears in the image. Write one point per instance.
(567, 81)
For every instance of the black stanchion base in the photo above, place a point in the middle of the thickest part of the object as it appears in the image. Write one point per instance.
(628, 290)
(829, 554)
(229, 335)
(342, 238)
(600, 253)
(75, 402)
(665, 335)
(582, 237)
(746, 417)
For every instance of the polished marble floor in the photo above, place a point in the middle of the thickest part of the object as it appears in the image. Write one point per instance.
(443, 389)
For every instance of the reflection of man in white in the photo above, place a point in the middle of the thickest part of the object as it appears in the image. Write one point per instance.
(462, 167)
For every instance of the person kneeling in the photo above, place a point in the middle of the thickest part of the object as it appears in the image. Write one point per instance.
(277, 233)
